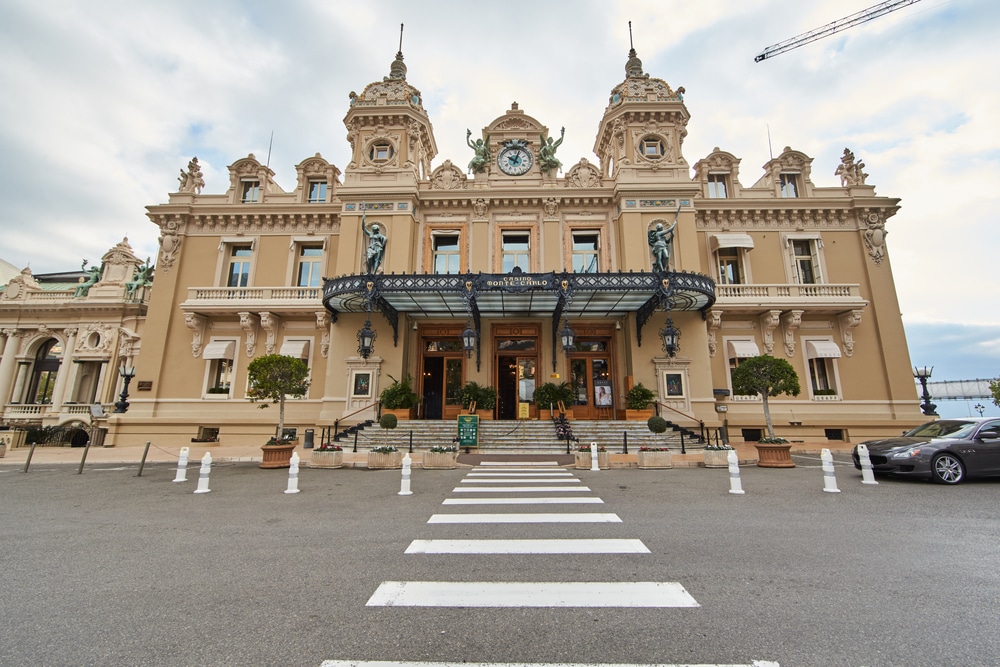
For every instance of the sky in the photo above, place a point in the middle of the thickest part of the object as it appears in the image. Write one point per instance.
(105, 101)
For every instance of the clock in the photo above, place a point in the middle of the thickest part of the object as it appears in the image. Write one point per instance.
(514, 159)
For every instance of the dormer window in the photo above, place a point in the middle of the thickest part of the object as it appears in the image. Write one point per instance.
(317, 192)
(652, 147)
(717, 186)
(380, 152)
(789, 185)
(251, 192)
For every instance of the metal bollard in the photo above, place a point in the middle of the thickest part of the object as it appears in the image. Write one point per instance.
(867, 474)
(293, 474)
(593, 457)
(206, 468)
(142, 463)
(829, 479)
(735, 485)
(404, 488)
(182, 464)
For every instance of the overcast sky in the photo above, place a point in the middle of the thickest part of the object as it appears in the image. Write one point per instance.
(104, 101)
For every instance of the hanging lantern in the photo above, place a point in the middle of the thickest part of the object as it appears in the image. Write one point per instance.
(366, 340)
(469, 339)
(567, 336)
(671, 336)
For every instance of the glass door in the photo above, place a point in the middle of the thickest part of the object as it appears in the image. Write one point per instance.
(590, 377)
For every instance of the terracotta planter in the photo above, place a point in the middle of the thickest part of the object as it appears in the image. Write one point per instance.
(387, 461)
(326, 459)
(277, 456)
(774, 456)
(584, 461)
(401, 413)
(440, 460)
(637, 415)
(717, 458)
(652, 460)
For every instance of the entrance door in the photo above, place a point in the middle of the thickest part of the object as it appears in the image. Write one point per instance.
(515, 385)
(590, 377)
(441, 378)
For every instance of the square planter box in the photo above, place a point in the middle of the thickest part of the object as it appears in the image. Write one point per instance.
(584, 461)
(440, 460)
(401, 413)
(654, 460)
(388, 461)
(321, 459)
(717, 458)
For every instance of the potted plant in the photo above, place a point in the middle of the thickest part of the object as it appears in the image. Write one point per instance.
(637, 400)
(717, 456)
(650, 458)
(327, 455)
(548, 396)
(272, 378)
(485, 399)
(585, 461)
(384, 457)
(441, 458)
(768, 376)
(399, 398)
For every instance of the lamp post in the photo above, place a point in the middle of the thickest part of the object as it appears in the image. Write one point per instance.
(980, 408)
(923, 374)
(126, 373)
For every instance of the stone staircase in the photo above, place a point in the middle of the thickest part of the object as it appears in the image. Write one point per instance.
(525, 436)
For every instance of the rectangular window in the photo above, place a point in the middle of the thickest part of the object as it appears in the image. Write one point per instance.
(730, 269)
(239, 265)
(821, 376)
(717, 186)
(789, 185)
(446, 253)
(585, 252)
(220, 376)
(806, 261)
(317, 192)
(251, 192)
(515, 251)
(652, 148)
(310, 265)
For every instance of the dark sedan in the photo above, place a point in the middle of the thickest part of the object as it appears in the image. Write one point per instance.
(946, 451)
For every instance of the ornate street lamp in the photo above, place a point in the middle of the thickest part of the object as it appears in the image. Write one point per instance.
(923, 374)
(469, 339)
(980, 408)
(567, 336)
(366, 339)
(670, 336)
(126, 373)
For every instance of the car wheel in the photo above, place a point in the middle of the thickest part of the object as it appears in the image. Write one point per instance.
(947, 469)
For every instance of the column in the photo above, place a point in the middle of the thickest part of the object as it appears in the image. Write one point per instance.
(65, 370)
(8, 364)
(22, 377)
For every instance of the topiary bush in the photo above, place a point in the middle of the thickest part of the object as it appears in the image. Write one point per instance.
(656, 424)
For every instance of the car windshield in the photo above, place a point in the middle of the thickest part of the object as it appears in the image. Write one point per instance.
(950, 428)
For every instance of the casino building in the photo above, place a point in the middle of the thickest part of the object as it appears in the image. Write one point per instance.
(524, 268)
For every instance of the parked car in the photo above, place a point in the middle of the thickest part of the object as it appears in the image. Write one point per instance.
(946, 451)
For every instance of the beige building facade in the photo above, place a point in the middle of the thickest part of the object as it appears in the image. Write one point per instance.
(515, 248)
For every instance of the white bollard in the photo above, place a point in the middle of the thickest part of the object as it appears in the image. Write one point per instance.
(735, 485)
(206, 468)
(404, 487)
(867, 474)
(182, 464)
(293, 474)
(593, 457)
(829, 479)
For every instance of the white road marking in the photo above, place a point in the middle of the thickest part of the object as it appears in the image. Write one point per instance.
(510, 473)
(518, 489)
(542, 546)
(388, 663)
(518, 480)
(523, 501)
(519, 463)
(531, 594)
(576, 517)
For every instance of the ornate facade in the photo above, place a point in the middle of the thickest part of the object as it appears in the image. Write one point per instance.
(514, 251)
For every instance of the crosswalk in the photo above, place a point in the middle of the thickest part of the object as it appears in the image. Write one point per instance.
(515, 486)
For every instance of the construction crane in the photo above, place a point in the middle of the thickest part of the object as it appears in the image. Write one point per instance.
(857, 18)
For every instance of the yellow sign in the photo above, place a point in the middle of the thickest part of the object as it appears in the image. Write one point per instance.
(522, 410)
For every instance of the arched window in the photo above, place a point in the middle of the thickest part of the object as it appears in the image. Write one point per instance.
(44, 371)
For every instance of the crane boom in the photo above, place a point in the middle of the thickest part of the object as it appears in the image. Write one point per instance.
(857, 18)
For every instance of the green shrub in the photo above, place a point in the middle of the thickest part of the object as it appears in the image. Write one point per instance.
(639, 397)
(388, 421)
(656, 424)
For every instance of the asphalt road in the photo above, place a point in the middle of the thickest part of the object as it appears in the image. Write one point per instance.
(106, 568)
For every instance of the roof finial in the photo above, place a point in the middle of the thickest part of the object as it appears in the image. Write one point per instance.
(398, 70)
(633, 67)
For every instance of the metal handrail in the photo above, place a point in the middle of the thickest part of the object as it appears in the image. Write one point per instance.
(336, 422)
(701, 424)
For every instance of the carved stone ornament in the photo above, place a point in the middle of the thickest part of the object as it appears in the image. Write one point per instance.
(250, 323)
(790, 322)
(850, 172)
(583, 175)
(323, 324)
(768, 323)
(848, 323)
(88, 342)
(714, 323)
(170, 244)
(269, 322)
(448, 177)
(191, 180)
(196, 323)
(479, 207)
(127, 340)
(551, 207)
(875, 236)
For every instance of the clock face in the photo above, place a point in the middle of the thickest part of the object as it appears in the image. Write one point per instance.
(514, 161)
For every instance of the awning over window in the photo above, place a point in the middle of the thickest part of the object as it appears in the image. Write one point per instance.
(822, 349)
(730, 241)
(220, 349)
(743, 349)
(295, 348)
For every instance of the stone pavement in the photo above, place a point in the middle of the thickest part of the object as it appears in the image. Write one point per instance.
(130, 454)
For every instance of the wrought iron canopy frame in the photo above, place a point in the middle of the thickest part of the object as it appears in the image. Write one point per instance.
(520, 294)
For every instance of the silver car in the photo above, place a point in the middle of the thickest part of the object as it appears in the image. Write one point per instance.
(946, 451)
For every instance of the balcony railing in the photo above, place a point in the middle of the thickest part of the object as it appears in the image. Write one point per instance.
(840, 296)
(233, 299)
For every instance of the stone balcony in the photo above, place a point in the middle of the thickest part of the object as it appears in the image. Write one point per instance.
(812, 298)
(232, 300)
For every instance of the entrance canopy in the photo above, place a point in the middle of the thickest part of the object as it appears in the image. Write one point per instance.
(518, 294)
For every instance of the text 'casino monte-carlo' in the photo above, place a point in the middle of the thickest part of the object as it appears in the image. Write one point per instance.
(514, 266)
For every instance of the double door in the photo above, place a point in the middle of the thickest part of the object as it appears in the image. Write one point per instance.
(590, 376)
